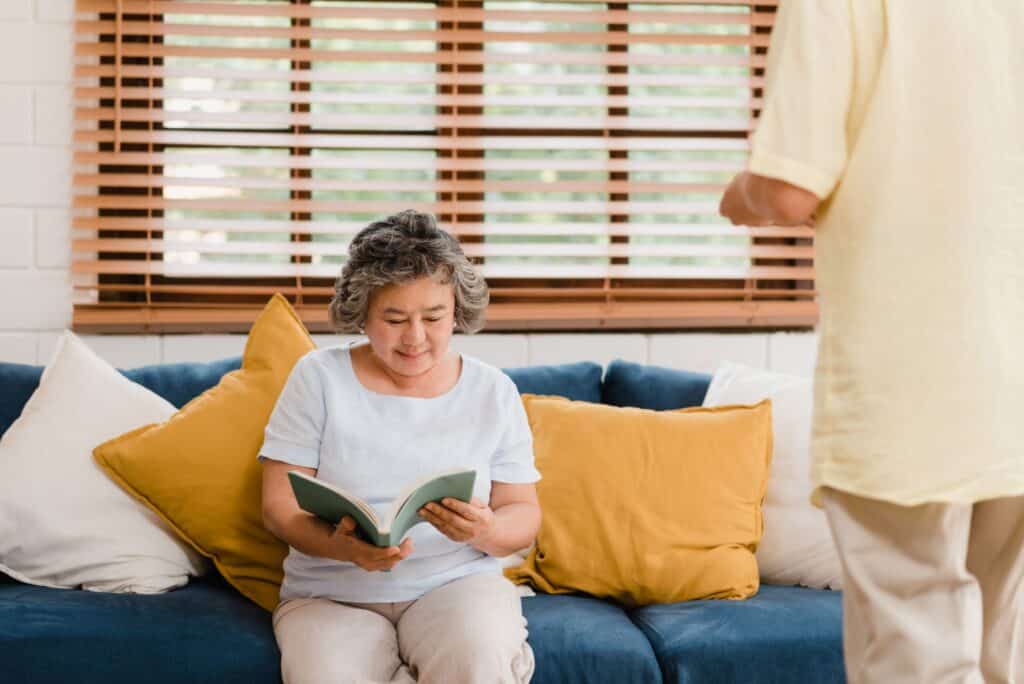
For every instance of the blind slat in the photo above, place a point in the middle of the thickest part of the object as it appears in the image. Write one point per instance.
(336, 76)
(328, 12)
(407, 57)
(124, 181)
(536, 271)
(339, 249)
(436, 100)
(135, 28)
(519, 229)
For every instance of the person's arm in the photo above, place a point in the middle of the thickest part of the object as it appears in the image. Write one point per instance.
(508, 524)
(315, 537)
(799, 151)
(753, 200)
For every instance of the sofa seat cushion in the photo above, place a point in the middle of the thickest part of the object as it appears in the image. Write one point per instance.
(581, 639)
(783, 634)
(203, 632)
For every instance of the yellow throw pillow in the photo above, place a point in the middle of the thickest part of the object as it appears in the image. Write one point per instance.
(646, 506)
(199, 472)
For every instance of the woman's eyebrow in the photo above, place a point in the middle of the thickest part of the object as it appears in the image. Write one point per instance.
(431, 309)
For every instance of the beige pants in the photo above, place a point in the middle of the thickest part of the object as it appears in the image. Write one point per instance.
(931, 593)
(470, 630)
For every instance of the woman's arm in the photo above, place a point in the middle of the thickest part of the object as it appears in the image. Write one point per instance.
(508, 524)
(313, 536)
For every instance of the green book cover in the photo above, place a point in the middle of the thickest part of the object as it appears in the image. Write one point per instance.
(332, 503)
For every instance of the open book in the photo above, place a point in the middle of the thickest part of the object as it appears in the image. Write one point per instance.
(332, 503)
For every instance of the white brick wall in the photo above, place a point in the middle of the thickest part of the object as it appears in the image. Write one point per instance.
(36, 44)
(35, 174)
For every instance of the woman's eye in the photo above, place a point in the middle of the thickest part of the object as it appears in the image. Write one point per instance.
(432, 320)
(394, 322)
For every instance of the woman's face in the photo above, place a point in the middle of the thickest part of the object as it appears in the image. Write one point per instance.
(409, 325)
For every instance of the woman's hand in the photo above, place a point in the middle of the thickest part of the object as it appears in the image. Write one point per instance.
(367, 556)
(460, 521)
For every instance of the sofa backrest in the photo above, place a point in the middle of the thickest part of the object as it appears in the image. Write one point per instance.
(652, 387)
(624, 383)
(178, 383)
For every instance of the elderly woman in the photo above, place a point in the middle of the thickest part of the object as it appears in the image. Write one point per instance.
(373, 417)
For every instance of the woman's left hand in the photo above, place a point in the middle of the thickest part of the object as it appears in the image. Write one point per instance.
(460, 521)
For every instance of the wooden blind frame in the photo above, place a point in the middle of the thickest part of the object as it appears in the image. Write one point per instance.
(165, 239)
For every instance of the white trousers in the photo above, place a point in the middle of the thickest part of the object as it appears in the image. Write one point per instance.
(468, 631)
(931, 593)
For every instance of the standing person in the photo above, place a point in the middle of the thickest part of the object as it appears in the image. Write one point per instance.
(372, 417)
(897, 127)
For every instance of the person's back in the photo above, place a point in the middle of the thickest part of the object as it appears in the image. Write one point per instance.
(920, 244)
(897, 125)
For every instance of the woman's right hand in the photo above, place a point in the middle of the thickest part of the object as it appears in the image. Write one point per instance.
(367, 556)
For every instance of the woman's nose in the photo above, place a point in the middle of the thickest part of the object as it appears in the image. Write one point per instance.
(414, 333)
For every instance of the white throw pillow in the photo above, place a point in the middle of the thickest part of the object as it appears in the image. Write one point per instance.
(797, 546)
(63, 522)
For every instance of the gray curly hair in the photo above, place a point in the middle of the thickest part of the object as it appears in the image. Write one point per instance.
(399, 249)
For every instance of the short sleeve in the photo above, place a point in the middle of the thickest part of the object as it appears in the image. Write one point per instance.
(801, 136)
(513, 460)
(295, 427)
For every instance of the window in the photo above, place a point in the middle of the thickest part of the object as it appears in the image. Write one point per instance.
(227, 150)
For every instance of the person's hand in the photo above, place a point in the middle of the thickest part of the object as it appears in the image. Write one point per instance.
(734, 205)
(367, 556)
(460, 521)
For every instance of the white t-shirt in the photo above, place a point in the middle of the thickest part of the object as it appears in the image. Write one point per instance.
(375, 444)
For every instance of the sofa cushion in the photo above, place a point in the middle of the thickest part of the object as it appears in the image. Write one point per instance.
(652, 387)
(198, 470)
(204, 632)
(581, 639)
(178, 383)
(647, 506)
(579, 381)
(17, 383)
(781, 635)
(63, 523)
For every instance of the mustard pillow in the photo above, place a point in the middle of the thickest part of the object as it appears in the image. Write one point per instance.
(645, 506)
(199, 472)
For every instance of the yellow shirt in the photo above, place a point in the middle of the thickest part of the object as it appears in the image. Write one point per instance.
(906, 117)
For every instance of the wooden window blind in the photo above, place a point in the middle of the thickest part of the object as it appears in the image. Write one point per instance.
(226, 150)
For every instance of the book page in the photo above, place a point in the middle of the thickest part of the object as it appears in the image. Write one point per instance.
(404, 512)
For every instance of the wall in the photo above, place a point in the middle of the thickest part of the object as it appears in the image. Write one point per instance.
(36, 46)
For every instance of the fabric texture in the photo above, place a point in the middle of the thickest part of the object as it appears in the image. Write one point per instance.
(579, 381)
(578, 638)
(467, 631)
(374, 445)
(203, 632)
(198, 470)
(797, 547)
(651, 387)
(919, 360)
(179, 383)
(932, 592)
(18, 381)
(63, 523)
(648, 506)
(783, 635)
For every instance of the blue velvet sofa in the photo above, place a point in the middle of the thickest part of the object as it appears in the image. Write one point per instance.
(206, 632)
